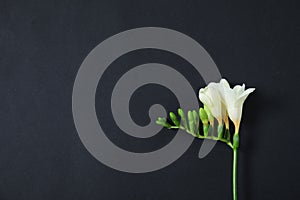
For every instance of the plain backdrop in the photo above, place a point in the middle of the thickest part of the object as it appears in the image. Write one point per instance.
(42, 45)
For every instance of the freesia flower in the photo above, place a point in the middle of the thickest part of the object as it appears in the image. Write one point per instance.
(234, 99)
(211, 98)
(221, 102)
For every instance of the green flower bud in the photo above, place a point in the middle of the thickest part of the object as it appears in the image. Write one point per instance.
(205, 130)
(191, 122)
(183, 119)
(196, 121)
(163, 122)
(174, 119)
(160, 121)
(220, 131)
(210, 116)
(227, 134)
(203, 116)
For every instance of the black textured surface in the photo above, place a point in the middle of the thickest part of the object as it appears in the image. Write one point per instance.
(42, 44)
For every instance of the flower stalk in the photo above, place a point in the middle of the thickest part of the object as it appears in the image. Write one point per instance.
(234, 173)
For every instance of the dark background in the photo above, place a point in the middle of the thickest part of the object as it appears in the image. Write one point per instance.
(42, 45)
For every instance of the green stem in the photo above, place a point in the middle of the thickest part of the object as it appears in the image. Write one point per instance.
(228, 142)
(234, 173)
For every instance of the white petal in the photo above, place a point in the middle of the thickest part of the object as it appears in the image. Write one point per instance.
(224, 83)
(210, 97)
(213, 84)
(205, 99)
(229, 96)
(243, 87)
(238, 89)
(223, 110)
(235, 113)
(244, 95)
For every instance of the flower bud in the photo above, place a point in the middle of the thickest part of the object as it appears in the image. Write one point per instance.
(191, 122)
(220, 130)
(227, 134)
(205, 130)
(196, 121)
(163, 122)
(174, 119)
(209, 115)
(183, 119)
(203, 116)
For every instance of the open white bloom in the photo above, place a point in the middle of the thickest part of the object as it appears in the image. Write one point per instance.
(234, 99)
(211, 98)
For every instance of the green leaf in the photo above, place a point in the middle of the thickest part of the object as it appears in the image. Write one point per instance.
(183, 119)
(174, 119)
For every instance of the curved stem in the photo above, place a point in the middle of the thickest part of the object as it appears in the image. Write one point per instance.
(234, 173)
(228, 142)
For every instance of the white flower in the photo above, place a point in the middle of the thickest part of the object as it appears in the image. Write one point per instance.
(234, 99)
(211, 98)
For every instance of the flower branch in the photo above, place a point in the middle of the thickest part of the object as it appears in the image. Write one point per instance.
(221, 103)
